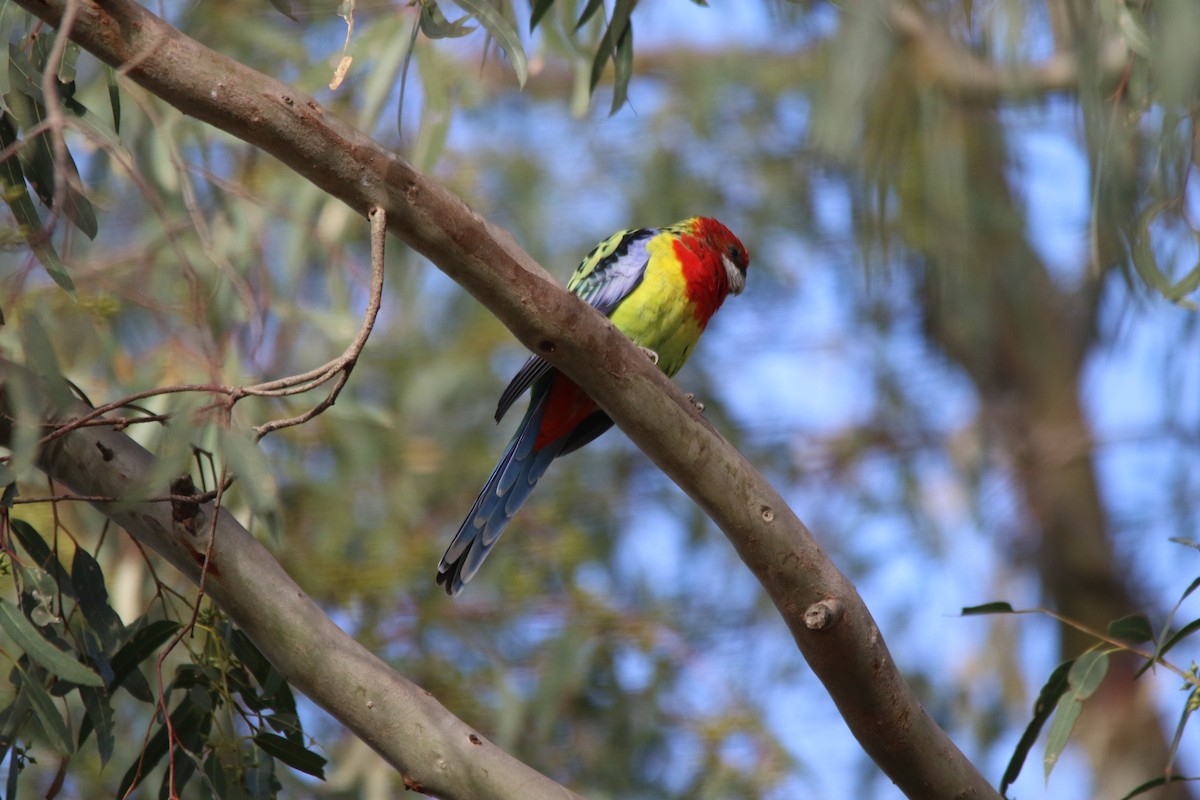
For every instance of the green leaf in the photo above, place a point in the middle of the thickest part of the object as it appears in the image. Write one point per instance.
(24, 78)
(38, 594)
(998, 607)
(435, 25)
(609, 47)
(1189, 708)
(622, 70)
(503, 32)
(1053, 689)
(259, 777)
(1087, 672)
(292, 754)
(11, 492)
(1191, 588)
(215, 772)
(99, 717)
(92, 597)
(540, 7)
(275, 688)
(186, 720)
(589, 11)
(1084, 678)
(244, 650)
(56, 661)
(284, 7)
(17, 197)
(27, 104)
(1134, 628)
(1178, 636)
(143, 644)
(66, 69)
(47, 713)
(1065, 715)
(94, 649)
(33, 544)
(114, 97)
(1161, 780)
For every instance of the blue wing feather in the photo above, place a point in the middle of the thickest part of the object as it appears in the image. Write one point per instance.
(506, 490)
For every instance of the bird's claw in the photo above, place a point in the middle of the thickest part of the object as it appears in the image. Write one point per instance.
(691, 397)
(650, 354)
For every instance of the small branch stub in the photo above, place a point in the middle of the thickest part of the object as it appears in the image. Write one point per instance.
(823, 615)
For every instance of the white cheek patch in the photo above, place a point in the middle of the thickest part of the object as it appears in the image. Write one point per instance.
(737, 278)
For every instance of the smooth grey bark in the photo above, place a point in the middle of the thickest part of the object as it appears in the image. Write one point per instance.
(827, 618)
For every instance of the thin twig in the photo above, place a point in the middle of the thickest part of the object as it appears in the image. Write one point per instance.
(344, 364)
(1113, 642)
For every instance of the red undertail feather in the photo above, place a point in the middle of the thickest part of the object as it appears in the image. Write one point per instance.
(566, 407)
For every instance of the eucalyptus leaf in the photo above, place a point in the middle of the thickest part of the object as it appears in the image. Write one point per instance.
(435, 25)
(57, 662)
(143, 644)
(540, 7)
(92, 597)
(1065, 715)
(1043, 707)
(284, 7)
(294, 755)
(21, 205)
(588, 12)
(622, 70)
(998, 607)
(99, 718)
(186, 721)
(46, 712)
(1134, 628)
(503, 32)
(32, 543)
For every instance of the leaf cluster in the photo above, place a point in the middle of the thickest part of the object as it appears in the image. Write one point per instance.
(232, 715)
(1069, 686)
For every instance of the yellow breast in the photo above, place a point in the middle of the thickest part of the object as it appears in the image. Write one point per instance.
(657, 314)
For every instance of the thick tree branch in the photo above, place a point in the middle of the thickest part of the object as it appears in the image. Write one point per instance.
(848, 654)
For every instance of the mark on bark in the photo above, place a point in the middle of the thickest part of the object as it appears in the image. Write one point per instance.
(823, 615)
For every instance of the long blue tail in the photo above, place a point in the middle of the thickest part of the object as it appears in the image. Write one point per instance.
(506, 490)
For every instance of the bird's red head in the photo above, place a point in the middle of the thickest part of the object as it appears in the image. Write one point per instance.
(734, 258)
(714, 263)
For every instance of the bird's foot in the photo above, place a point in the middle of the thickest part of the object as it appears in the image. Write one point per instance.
(691, 396)
(650, 354)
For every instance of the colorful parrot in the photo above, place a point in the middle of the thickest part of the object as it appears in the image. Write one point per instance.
(660, 287)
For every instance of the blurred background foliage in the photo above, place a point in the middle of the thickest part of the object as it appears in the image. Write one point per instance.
(966, 355)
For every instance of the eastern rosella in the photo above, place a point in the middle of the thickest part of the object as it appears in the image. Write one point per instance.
(660, 287)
